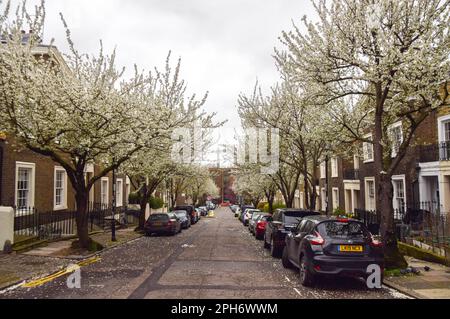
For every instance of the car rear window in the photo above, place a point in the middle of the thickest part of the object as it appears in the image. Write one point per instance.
(336, 229)
(159, 217)
(180, 213)
(295, 217)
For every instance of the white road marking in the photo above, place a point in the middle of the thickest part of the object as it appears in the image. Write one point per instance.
(297, 291)
(287, 279)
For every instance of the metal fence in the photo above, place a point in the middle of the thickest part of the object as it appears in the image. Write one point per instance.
(53, 225)
(424, 221)
(434, 152)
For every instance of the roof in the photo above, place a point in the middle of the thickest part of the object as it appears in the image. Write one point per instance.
(323, 218)
(296, 210)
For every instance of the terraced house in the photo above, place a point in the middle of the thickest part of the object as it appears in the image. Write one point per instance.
(421, 181)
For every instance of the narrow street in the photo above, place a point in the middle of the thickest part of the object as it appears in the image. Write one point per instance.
(217, 258)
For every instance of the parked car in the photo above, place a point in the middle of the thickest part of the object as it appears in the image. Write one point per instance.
(199, 214)
(320, 245)
(279, 225)
(204, 211)
(243, 210)
(260, 228)
(184, 218)
(252, 221)
(191, 211)
(238, 213)
(162, 224)
(248, 215)
(234, 207)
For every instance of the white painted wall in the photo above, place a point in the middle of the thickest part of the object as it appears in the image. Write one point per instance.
(6, 226)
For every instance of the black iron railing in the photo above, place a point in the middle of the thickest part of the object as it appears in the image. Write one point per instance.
(351, 174)
(434, 152)
(29, 222)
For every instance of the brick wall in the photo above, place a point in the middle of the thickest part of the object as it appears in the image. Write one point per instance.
(44, 179)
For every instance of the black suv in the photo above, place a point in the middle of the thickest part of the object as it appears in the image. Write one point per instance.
(191, 211)
(320, 245)
(279, 225)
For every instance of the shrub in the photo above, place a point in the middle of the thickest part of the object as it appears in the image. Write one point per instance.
(278, 206)
(339, 212)
(134, 198)
(156, 202)
(274, 207)
(262, 205)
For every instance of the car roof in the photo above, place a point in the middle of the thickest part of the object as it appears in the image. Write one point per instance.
(287, 210)
(321, 218)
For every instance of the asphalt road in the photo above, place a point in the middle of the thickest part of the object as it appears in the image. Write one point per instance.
(217, 258)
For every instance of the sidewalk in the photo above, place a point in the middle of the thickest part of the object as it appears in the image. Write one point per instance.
(432, 284)
(39, 262)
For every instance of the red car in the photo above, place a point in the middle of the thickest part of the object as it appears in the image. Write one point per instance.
(260, 228)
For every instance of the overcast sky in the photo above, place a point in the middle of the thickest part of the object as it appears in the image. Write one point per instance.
(225, 45)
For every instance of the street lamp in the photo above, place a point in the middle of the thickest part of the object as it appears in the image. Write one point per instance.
(113, 220)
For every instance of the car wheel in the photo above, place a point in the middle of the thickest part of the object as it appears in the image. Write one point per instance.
(266, 245)
(285, 259)
(306, 277)
(274, 251)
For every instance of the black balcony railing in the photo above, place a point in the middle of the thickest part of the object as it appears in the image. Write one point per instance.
(434, 152)
(351, 174)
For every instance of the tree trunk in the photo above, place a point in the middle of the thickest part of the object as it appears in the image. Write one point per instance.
(270, 200)
(143, 205)
(82, 218)
(385, 210)
(393, 257)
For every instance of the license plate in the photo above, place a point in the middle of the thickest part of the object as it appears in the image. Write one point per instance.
(157, 224)
(351, 249)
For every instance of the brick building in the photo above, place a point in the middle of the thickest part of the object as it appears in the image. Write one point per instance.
(28, 179)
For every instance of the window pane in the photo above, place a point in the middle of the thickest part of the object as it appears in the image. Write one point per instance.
(23, 187)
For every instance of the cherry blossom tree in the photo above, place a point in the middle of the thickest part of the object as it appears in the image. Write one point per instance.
(371, 64)
(304, 134)
(81, 110)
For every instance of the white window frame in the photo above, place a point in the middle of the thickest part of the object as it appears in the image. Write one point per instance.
(441, 121)
(102, 191)
(31, 166)
(119, 199)
(365, 145)
(127, 188)
(302, 200)
(336, 201)
(369, 205)
(356, 162)
(391, 136)
(397, 178)
(323, 170)
(323, 196)
(334, 167)
(63, 204)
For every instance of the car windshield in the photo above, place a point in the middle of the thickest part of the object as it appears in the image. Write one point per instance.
(180, 213)
(336, 229)
(256, 215)
(159, 217)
